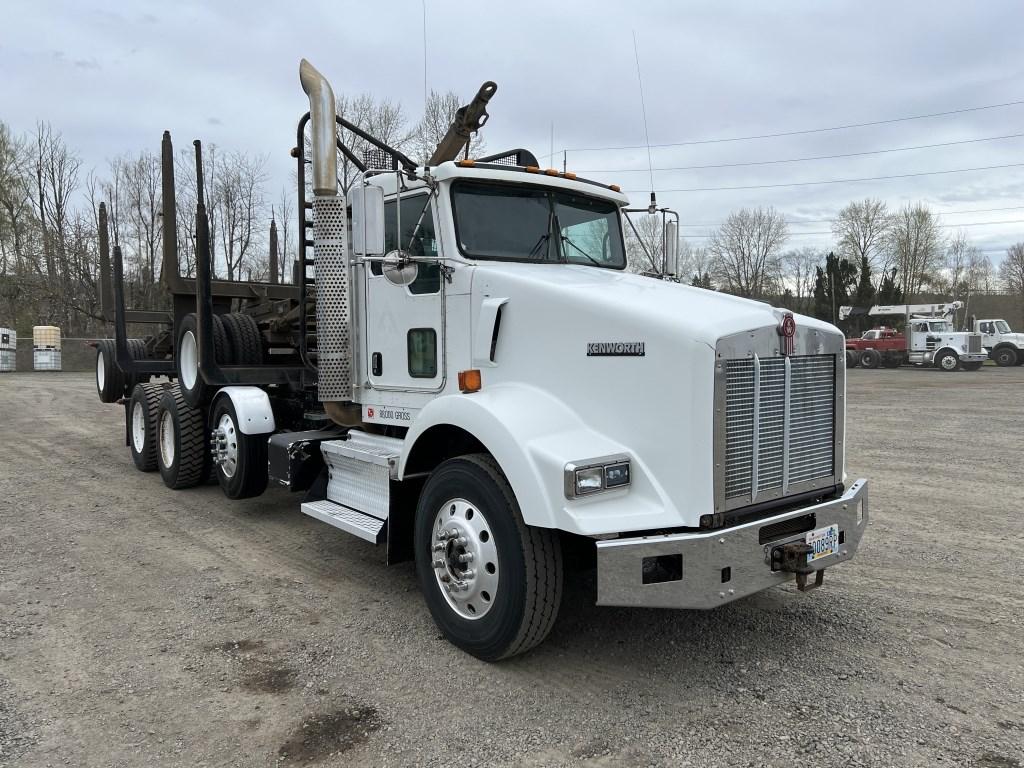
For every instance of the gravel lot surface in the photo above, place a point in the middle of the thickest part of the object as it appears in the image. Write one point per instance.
(146, 627)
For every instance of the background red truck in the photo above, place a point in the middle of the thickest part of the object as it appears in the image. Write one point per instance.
(879, 346)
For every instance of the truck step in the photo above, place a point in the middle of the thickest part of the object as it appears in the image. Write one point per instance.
(365, 527)
(360, 471)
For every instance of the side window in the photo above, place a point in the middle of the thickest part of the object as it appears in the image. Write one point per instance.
(422, 349)
(417, 240)
(986, 327)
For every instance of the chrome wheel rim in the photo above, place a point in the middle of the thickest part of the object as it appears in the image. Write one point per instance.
(101, 374)
(188, 360)
(225, 445)
(464, 558)
(948, 362)
(166, 439)
(138, 427)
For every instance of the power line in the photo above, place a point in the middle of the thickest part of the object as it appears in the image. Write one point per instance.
(800, 159)
(944, 226)
(829, 221)
(804, 131)
(836, 181)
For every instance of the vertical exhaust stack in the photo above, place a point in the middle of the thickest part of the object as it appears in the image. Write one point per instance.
(323, 134)
(330, 250)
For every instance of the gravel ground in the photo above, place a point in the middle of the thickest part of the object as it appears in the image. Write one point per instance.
(141, 626)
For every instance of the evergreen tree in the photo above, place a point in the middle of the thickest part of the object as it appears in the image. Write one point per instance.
(864, 296)
(702, 281)
(833, 286)
(889, 290)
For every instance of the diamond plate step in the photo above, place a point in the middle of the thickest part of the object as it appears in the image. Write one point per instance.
(364, 526)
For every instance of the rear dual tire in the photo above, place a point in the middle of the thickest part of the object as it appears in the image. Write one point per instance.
(143, 417)
(182, 446)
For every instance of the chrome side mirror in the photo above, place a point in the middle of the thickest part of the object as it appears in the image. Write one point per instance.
(398, 268)
(671, 247)
(367, 220)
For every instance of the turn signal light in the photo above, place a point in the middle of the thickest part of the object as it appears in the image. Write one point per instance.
(466, 163)
(469, 381)
(569, 175)
(614, 187)
(551, 171)
(532, 169)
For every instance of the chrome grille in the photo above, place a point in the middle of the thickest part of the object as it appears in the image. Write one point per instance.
(974, 343)
(779, 424)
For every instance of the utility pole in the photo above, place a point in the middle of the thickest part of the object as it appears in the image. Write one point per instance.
(832, 281)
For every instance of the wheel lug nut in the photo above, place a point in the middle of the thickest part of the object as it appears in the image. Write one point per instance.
(439, 563)
(439, 547)
(461, 541)
(442, 536)
(466, 557)
(446, 578)
(469, 573)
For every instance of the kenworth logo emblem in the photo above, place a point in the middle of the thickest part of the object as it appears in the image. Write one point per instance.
(787, 330)
(615, 349)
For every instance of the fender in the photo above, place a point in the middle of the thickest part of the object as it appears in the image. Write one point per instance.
(252, 405)
(533, 435)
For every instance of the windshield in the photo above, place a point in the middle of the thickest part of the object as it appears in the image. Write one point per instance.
(1002, 326)
(521, 223)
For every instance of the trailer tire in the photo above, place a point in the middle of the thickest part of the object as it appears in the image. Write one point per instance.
(143, 414)
(870, 358)
(186, 358)
(183, 456)
(1006, 357)
(947, 361)
(244, 339)
(109, 378)
(240, 460)
(516, 577)
(970, 366)
(852, 359)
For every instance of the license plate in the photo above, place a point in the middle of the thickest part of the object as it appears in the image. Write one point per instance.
(823, 542)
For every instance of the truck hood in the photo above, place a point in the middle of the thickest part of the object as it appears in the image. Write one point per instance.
(692, 313)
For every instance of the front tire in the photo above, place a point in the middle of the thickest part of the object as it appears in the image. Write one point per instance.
(1005, 357)
(240, 459)
(182, 454)
(492, 583)
(948, 361)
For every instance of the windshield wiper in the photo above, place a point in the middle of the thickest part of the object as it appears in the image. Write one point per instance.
(565, 239)
(546, 237)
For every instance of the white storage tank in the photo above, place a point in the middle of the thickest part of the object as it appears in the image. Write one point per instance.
(46, 359)
(8, 350)
(46, 337)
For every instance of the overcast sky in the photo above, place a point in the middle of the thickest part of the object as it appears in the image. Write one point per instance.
(112, 76)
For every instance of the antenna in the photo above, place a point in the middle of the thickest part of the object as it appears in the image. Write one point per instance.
(647, 137)
(425, 98)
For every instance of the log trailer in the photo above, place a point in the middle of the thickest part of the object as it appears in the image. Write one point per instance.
(465, 373)
(928, 339)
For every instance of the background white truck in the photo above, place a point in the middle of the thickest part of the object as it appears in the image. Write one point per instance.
(465, 373)
(1004, 346)
(929, 338)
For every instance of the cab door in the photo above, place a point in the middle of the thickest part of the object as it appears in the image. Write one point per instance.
(404, 323)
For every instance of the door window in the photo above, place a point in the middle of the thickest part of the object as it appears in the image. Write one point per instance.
(422, 348)
(417, 239)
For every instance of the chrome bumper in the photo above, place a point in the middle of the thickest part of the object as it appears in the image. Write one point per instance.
(717, 567)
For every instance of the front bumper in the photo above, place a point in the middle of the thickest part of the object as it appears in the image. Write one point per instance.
(717, 567)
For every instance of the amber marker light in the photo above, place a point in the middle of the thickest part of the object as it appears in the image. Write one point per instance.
(469, 381)
(466, 163)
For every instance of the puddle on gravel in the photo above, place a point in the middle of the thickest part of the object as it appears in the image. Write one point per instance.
(269, 679)
(323, 735)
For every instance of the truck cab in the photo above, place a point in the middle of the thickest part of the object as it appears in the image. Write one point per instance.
(936, 341)
(1005, 347)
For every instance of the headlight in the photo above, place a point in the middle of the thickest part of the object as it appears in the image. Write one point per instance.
(606, 473)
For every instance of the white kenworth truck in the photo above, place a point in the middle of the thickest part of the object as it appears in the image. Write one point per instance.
(463, 371)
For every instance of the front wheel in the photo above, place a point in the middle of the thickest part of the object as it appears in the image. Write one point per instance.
(948, 361)
(492, 583)
(241, 459)
(1005, 357)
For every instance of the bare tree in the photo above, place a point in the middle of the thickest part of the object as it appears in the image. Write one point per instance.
(644, 247)
(860, 231)
(916, 247)
(383, 119)
(746, 250)
(236, 198)
(798, 275)
(1011, 270)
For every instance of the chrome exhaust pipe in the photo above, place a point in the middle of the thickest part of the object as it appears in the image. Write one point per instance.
(323, 134)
